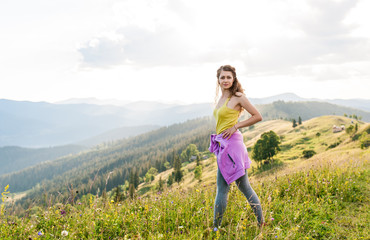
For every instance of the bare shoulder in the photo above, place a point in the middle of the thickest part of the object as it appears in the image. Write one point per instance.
(242, 98)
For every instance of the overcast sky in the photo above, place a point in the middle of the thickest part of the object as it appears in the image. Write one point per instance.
(170, 50)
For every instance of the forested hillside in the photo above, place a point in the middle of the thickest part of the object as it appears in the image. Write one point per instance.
(16, 158)
(108, 165)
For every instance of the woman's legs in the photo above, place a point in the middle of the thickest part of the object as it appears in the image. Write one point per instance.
(245, 187)
(221, 199)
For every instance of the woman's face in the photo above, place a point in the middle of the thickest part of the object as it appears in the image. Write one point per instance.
(226, 79)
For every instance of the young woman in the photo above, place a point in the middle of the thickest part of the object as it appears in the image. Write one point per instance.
(228, 145)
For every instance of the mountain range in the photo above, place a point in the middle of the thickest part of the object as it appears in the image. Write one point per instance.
(90, 121)
(362, 104)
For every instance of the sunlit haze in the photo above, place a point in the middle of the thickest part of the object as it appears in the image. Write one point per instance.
(169, 51)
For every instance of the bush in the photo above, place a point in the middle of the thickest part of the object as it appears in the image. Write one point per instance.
(333, 145)
(308, 153)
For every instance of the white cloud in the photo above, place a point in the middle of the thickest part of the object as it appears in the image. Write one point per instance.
(74, 48)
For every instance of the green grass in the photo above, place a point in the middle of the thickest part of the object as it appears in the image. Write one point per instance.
(323, 202)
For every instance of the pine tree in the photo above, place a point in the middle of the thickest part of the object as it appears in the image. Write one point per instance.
(136, 179)
(294, 123)
(117, 194)
(170, 180)
(299, 120)
(131, 191)
(198, 172)
(160, 187)
(177, 168)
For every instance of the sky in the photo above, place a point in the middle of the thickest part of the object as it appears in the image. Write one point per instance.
(170, 50)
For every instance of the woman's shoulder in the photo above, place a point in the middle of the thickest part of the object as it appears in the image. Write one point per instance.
(240, 96)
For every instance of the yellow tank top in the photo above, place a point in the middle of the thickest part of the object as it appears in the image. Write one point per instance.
(225, 117)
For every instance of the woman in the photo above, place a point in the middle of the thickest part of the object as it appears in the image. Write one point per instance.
(228, 145)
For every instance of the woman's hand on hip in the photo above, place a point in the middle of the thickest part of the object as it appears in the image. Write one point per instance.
(229, 132)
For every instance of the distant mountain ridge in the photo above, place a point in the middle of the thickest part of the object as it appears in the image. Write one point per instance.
(42, 124)
(362, 104)
(307, 110)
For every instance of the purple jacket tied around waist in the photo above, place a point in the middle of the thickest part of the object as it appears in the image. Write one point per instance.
(232, 155)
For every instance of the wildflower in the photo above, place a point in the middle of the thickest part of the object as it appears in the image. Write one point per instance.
(62, 212)
(64, 233)
(272, 219)
(112, 201)
(215, 229)
(40, 233)
(3, 194)
(275, 236)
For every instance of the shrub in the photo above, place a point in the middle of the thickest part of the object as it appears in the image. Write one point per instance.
(333, 145)
(308, 153)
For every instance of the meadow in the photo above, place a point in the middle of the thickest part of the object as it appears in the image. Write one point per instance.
(323, 197)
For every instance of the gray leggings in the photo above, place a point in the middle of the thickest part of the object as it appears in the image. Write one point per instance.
(221, 198)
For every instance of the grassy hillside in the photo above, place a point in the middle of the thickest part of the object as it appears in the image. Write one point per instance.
(294, 141)
(323, 197)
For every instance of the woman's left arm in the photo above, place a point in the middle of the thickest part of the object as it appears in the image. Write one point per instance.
(256, 117)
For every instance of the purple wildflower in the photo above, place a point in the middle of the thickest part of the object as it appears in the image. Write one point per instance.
(39, 233)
